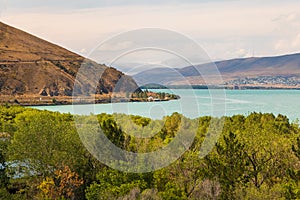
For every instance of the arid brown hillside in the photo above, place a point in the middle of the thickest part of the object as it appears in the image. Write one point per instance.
(32, 66)
(278, 72)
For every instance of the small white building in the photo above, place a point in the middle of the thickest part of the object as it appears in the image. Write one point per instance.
(150, 98)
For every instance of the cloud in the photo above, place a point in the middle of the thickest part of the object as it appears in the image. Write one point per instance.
(281, 44)
(225, 29)
(287, 18)
(83, 51)
(287, 32)
(3, 6)
(241, 53)
(289, 44)
(296, 42)
(116, 47)
(80, 4)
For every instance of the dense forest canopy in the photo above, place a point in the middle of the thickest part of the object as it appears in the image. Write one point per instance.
(42, 157)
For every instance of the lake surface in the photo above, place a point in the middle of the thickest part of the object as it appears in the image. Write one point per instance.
(195, 103)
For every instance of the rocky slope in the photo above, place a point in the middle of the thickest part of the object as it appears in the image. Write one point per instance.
(30, 66)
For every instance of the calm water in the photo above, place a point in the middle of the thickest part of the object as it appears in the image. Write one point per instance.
(194, 103)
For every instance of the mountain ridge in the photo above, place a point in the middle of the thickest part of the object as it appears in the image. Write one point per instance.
(230, 70)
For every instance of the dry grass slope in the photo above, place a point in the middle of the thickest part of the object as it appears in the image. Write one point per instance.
(30, 66)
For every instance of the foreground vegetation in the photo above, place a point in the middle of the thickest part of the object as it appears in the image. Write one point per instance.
(42, 157)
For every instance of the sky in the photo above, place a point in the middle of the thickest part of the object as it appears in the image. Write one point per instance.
(225, 29)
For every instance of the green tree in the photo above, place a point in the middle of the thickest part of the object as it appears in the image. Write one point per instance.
(292, 187)
(228, 163)
(43, 141)
(171, 126)
(3, 176)
(112, 184)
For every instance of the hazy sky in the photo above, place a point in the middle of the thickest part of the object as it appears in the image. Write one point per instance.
(225, 29)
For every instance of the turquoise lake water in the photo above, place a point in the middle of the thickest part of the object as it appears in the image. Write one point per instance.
(194, 103)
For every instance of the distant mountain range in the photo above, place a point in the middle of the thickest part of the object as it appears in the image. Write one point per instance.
(30, 66)
(279, 71)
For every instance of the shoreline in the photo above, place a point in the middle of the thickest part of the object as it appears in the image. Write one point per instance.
(224, 87)
(28, 100)
(62, 101)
